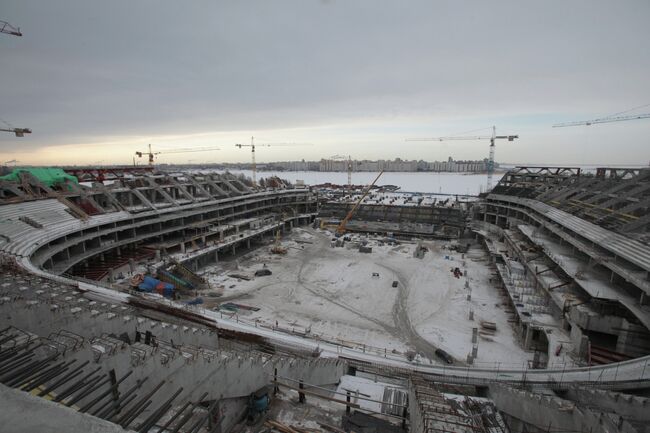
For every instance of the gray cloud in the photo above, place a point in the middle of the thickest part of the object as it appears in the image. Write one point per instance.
(91, 69)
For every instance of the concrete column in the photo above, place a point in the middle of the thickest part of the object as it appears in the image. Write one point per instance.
(182, 245)
(474, 335)
(528, 337)
(216, 256)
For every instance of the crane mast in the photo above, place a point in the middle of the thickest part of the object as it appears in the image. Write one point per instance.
(253, 145)
(492, 138)
(151, 154)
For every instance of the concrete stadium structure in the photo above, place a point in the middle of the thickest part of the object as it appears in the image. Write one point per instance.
(112, 359)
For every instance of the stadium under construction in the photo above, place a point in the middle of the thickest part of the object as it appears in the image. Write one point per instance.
(133, 299)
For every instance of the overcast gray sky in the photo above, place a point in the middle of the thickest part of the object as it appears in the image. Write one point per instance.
(97, 80)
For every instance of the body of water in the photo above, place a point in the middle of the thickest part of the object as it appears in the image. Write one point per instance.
(429, 182)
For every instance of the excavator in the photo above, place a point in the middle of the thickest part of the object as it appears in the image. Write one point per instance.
(340, 230)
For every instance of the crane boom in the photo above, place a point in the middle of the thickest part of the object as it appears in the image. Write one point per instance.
(20, 132)
(341, 228)
(603, 120)
(151, 154)
(492, 138)
(252, 146)
(7, 28)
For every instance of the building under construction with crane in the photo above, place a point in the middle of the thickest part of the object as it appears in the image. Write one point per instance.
(137, 299)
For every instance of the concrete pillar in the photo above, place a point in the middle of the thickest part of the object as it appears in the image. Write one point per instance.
(110, 275)
(248, 243)
(528, 336)
(132, 264)
(182, 245)
(216, 256)
(474, 335)
(233, 250)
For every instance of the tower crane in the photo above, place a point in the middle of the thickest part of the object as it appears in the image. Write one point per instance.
(152, 154)
(253, 145)
(20, 132)
(7, 28)
(492, 138)
(617, 117)
(349, 167)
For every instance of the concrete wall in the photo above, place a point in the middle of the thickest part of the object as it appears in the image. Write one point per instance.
(546, 413)
(23, 413)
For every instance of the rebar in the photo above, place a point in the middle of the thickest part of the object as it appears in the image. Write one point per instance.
(126, 419)
(102, 396)
(146, 425)
(77, 371)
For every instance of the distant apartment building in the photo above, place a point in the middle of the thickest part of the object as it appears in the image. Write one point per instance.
(405, 166)
(396, 165)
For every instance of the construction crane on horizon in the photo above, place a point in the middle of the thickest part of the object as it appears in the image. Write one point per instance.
(7, 28)
(20, 132)
(152, 154)
(492, 138)
(616, 117)
(253, 145)
(349, 167)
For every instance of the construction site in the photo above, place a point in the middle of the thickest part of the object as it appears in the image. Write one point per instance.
(143, 300)
(148, 292)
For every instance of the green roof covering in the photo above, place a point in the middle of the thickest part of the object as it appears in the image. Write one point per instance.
(48, 176)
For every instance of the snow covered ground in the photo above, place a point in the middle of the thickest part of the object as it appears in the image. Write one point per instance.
(331, 294)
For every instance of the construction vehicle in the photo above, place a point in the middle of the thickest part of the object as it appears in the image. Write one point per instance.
(492, 138)
(342, 226)
(277, 248)
(152, 154)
